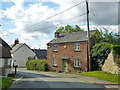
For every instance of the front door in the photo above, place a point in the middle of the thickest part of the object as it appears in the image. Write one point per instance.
(64, 65)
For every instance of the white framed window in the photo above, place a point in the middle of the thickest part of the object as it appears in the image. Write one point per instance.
(54, 62)
(76, 62)
(54, 47)
(77, 47)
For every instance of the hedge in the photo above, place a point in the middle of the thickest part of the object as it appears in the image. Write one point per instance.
(37, 64)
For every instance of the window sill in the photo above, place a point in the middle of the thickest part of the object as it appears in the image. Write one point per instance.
(77, 50)
(76, 66)
(54, 50)
(54, 65)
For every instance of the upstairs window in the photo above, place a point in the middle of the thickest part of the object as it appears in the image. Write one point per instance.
(54, 62)
(77, 47)
(76, 62)
(54, 47)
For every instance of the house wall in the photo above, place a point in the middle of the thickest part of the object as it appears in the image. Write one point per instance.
(21, 56)
(1, 63)
(5, 69)
(69, 52)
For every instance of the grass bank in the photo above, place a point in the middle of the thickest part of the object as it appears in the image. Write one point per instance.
(102, 76)
(6, 83)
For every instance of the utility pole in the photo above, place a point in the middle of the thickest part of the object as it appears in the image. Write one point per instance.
(88, 33)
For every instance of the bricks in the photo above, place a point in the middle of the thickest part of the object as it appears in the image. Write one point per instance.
(68, 50)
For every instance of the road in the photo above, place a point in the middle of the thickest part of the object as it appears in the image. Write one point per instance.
(33, 79)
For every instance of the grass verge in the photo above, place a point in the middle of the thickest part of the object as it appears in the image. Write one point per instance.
(6, 83)
(102, 76)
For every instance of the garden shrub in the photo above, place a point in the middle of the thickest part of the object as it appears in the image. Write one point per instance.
(99, 54)
(37, 64)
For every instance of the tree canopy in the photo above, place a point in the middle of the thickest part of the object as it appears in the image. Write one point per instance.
(103, 44)
(105, 36)
(69, 29)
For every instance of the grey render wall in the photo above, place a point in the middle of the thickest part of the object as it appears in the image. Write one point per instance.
(21, 55)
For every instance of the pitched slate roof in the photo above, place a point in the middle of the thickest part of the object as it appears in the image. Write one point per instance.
(40, 53)
(16, 47)
(4, 44)
(4, 49)
(72, 37)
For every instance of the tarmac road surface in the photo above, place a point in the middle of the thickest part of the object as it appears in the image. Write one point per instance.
(32, 79)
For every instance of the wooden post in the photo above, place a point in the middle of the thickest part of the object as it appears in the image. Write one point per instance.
(88, 35)
(15, 69)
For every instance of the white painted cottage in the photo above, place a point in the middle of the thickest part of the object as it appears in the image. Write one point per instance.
(5, 58)
(21, 53)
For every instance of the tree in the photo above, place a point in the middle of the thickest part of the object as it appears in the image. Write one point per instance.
(105, 36)
(69, 29)
(99, 54)
(103, 41)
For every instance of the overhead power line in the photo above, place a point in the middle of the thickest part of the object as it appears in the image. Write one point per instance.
(53, 15)
(71, 21)
(58, 13)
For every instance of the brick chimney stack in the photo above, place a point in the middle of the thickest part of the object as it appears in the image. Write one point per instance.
(16, 41)
(56, 34)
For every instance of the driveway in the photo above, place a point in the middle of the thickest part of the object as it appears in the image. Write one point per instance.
(34, 79)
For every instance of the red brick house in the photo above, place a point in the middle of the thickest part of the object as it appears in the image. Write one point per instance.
(68, 52)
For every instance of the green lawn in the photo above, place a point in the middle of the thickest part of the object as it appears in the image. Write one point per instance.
(6, 82)
(102, 75)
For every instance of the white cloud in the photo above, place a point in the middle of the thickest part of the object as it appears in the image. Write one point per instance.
(110, 28)
(4, 34)
(28, 21)
(42, 44)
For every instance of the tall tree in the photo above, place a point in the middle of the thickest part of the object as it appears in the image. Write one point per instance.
(69, 29)
(105, 36)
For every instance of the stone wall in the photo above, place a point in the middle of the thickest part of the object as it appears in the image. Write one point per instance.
(110, 66)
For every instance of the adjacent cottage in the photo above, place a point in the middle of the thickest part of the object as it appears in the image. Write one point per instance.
(21, 53)
(5, 58)
(68, 52)
(40, 53)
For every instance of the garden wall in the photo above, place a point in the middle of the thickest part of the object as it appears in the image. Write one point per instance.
(110, 66)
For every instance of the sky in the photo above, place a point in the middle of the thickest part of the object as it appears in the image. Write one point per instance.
(28, 20)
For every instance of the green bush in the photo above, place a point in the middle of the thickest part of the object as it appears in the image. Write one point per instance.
(99, 54)
(37, 64)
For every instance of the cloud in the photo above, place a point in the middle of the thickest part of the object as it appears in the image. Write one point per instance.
(34, 14)
(4, 33)
(40, 45)
(33, 22)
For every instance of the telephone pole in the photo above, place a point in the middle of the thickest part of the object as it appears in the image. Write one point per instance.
(88, 33)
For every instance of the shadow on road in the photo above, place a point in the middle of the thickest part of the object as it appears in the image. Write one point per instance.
(34, 75)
